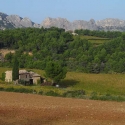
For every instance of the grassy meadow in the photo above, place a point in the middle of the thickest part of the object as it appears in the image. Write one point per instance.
(93, 39)
(101, 84)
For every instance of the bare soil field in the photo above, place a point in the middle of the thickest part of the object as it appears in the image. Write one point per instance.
(30, 109)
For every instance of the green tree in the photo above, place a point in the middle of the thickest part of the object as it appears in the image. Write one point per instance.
(55, 71)
(3, 76)
(9, 57)
(15, 70)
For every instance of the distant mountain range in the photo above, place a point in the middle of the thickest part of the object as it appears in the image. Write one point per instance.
(15, 21)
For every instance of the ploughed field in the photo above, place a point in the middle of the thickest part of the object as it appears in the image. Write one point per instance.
(31, 109)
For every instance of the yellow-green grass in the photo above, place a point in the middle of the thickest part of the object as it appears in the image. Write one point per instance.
(113, 84)
(98, 42)
(101, 83)
(93, 39)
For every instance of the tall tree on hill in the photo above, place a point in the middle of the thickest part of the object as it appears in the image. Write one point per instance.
(15, 70)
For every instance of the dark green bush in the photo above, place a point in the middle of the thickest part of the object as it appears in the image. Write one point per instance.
(10, 89)
(3, 76)
(52, 93)
(20, 90)
(41, 92)
(106, 97)
(2, 89)
(94, 96)
(21, 82)
(23, 90)
(120, 98)
(76, 93)
(112, 98)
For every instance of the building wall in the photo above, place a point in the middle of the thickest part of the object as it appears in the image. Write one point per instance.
(8, 76)
(22, 76)
(35, 80)
(25, 77)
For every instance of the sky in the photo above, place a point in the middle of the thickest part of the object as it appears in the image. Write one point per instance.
(38, 10)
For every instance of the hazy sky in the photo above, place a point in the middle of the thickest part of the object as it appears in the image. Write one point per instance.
(38, 10)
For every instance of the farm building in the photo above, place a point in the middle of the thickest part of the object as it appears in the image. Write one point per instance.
(24, 75)
(8, 76)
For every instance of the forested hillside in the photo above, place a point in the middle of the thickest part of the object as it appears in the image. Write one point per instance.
(35, 47)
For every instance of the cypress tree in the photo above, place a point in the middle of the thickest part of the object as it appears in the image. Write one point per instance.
(15, 70)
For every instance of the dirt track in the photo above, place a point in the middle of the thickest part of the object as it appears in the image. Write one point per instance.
(29, 109)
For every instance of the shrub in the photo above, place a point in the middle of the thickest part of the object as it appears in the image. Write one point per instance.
(3, 76)
(41, 92)
(76, 93)
(1, 89)
(106, 97)
(10, 89)
(52, 93)
(112, 98)
(94, 96)
(20, 90)
(21, 82)
(23, 90)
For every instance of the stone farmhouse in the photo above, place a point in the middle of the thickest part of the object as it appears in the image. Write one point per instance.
(30, 77)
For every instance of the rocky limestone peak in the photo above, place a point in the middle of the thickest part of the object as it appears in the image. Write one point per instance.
(67, 25)
(4, 23)
(0, 18)
(56, 22)
(47, 22)
(111, 22)
(36, 25)
(92, 21)
(107, 24)
(82, 24)
(15, 19)
(26, 22)
(3, 15)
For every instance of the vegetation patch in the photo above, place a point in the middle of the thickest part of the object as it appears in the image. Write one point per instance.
(75, 94)
(52, 93)
(89, 51)
(95, 96)
(96, 86)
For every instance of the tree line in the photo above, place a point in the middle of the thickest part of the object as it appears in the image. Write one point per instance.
(35, 47)
(103, 34)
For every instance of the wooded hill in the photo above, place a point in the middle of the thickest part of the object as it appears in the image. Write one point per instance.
(74, 52)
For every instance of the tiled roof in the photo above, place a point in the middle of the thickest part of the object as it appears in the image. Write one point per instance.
(23, 72)
(32, 74)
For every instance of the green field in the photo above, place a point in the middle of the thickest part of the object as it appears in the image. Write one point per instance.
(101, 84)
(93, 39)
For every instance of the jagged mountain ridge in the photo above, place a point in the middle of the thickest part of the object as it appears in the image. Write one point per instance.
(108, 24)
(15, 21)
